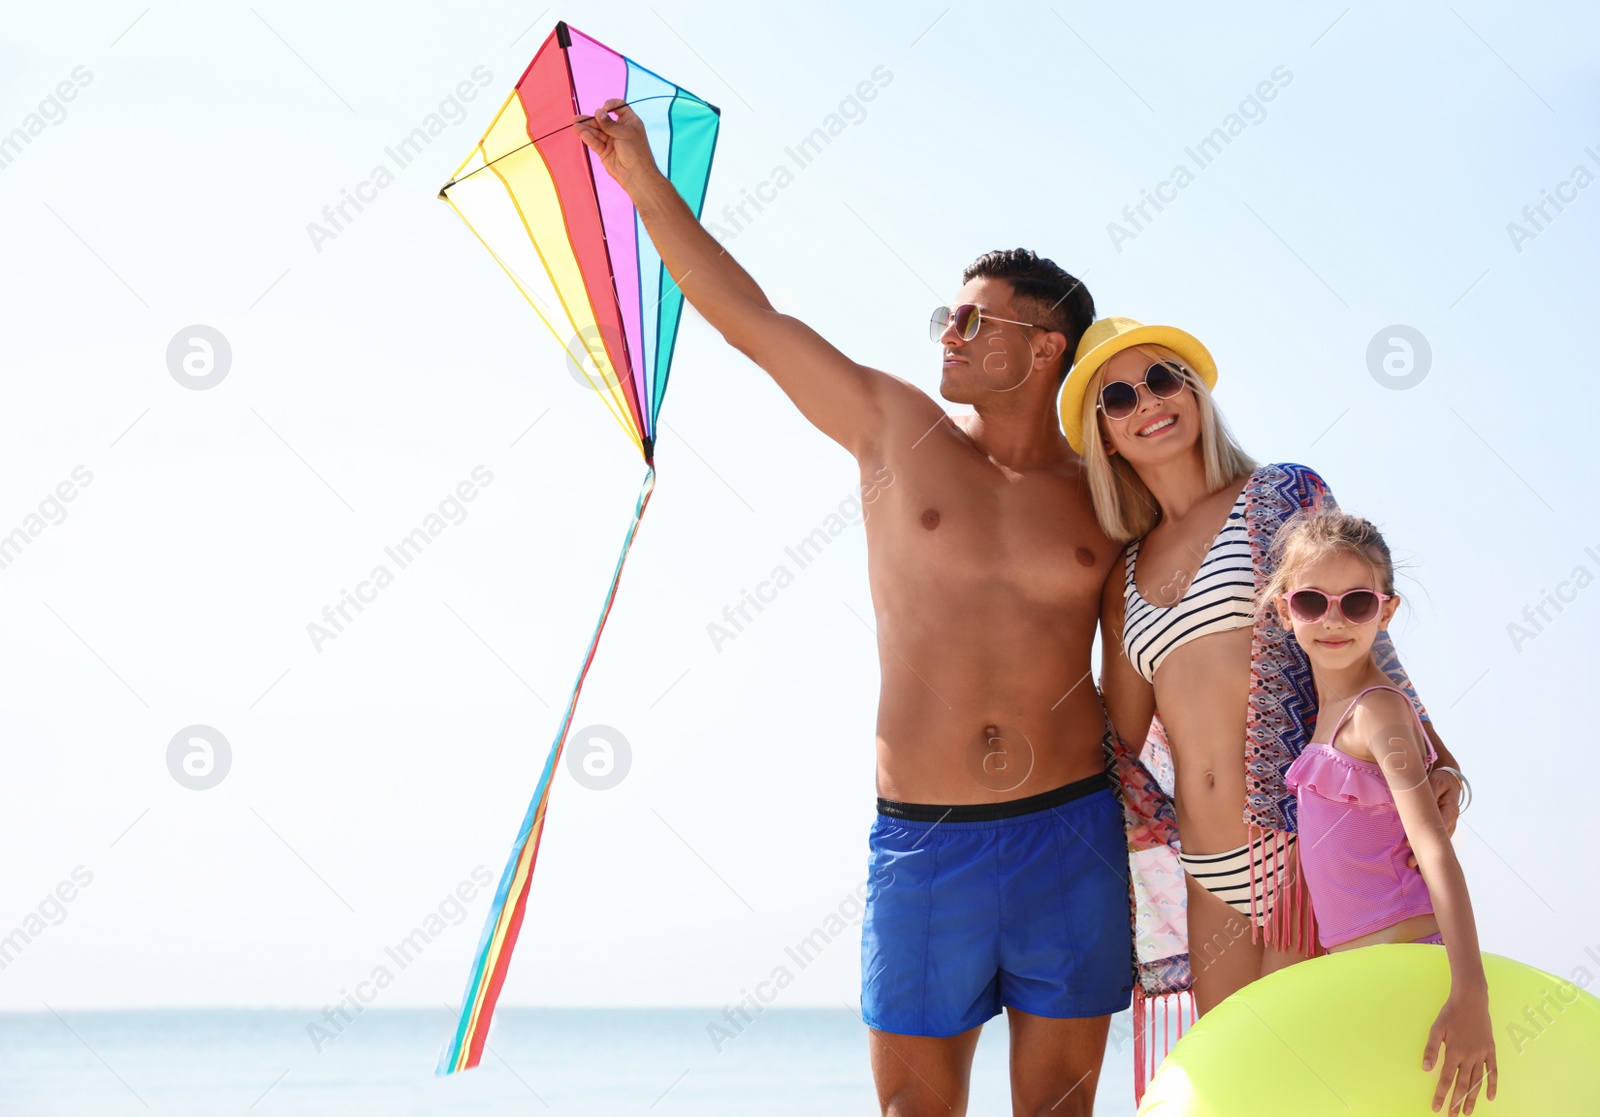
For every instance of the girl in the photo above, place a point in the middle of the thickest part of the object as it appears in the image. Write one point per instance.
(1361, 785)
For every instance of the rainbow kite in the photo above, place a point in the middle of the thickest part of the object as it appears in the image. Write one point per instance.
(570, 239)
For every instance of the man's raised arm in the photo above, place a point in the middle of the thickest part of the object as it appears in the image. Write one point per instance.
(840, 398)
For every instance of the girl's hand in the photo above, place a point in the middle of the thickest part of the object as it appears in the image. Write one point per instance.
(1468, 1037)
(622, 144)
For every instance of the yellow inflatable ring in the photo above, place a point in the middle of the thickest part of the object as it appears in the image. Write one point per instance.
(1344, 1034)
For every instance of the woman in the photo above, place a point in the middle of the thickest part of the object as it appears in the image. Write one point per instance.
(1181, 634)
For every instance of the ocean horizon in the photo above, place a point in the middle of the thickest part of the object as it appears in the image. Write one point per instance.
(580, 1061)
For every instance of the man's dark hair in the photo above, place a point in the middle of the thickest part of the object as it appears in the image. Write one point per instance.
(1043, 292)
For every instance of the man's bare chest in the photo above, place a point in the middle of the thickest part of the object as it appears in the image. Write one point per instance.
(979, 529)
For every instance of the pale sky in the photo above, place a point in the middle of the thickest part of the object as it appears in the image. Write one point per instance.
(374, 372)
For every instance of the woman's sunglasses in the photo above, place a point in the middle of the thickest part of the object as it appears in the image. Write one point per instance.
(1119, 398)
(968, 320)
(1309, 606)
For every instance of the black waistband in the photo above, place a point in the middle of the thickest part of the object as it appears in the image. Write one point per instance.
(991, 812)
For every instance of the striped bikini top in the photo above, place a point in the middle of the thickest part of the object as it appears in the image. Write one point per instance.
(1220, 598)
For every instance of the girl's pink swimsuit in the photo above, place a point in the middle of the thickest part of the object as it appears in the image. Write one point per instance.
(1352, 843)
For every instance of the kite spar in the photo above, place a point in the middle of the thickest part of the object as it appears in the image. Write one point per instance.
(569, 237)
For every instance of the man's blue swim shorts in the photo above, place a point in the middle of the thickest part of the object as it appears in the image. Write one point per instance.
(1021, 904)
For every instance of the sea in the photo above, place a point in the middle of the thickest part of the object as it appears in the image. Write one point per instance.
(663, 1062)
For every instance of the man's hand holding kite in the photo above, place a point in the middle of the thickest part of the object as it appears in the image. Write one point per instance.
(840, 397)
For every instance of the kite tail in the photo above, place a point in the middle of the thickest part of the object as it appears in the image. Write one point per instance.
(499, 937)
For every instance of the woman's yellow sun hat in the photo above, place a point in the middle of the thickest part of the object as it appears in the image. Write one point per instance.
(1104, 340)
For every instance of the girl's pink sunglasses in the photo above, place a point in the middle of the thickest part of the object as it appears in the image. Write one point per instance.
(1308, 606)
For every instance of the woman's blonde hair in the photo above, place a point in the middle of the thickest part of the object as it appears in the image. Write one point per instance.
(1123, 504)
(1309, 537)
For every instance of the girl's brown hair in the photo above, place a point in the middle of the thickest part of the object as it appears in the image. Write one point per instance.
(1311, 536)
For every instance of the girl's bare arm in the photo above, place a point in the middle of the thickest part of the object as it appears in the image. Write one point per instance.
(1384, 722)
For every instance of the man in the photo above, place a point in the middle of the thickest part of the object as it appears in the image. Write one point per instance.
(999, 862)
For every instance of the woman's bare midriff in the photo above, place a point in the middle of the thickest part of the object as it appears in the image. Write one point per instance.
(1203, 691)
